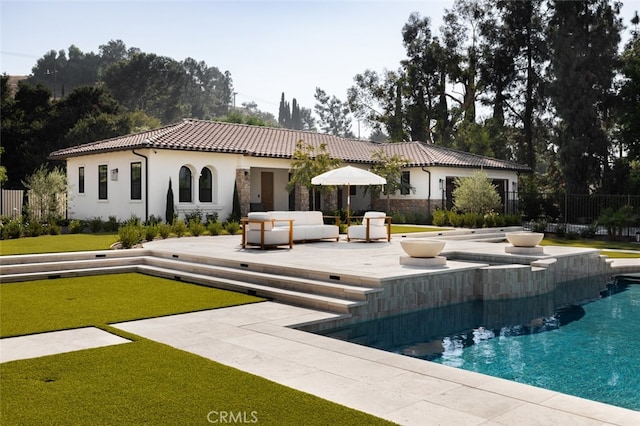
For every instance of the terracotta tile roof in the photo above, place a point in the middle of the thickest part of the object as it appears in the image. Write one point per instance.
(211, 136)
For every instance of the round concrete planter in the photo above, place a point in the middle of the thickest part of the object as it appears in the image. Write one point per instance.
(524, 239)
(422, 248)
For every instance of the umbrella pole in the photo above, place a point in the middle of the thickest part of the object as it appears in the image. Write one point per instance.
(348, 205)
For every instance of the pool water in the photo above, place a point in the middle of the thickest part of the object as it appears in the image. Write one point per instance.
(587, 348)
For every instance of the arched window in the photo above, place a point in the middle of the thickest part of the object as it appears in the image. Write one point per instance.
(184, 185)
(206, 186)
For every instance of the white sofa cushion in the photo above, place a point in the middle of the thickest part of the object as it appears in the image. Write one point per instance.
(377, 227)
(262, 217)
(307, 225)
(275, 236)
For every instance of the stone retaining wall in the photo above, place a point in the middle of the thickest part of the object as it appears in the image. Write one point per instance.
(583, 274)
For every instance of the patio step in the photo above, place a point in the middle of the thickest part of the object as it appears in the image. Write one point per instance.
(317, 294)
(286, 282)
(293, 297)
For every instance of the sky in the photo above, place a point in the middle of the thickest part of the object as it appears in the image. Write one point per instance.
(269, 47)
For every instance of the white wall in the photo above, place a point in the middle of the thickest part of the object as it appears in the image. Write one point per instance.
(118, 202)
(162, 166)
(419, 180)
(165, 164)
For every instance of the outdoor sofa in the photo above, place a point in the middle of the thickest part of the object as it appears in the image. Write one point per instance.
(276, 228)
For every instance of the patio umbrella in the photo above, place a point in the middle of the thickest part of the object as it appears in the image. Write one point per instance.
(348, 176)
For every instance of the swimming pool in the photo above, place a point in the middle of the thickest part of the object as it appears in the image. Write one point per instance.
(587, 348)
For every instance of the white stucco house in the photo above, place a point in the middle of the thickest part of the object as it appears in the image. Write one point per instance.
(205, 160)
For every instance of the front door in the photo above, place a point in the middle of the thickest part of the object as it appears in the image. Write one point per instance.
(266, 184)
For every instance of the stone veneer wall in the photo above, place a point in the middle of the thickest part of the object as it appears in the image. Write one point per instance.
(583, 274)
(405, 206)
(243, 185)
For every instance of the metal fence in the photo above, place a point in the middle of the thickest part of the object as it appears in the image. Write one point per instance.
(573, 212)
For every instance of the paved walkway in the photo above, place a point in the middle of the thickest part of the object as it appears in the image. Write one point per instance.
(55, 342)
(255, 338)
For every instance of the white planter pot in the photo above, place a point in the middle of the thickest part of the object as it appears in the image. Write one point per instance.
(422, 248)
(524, 239)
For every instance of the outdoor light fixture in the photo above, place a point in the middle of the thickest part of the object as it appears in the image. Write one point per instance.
(441, 184)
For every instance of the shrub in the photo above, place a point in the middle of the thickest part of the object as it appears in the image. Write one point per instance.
(232, 227)
(572, 235)
(500, 220)
(196, 228)
(490, 219)
(133, 220)
(45, 189)
(456, 220)
(12, 229)
(195, 215)
(440, 217)
(154, 220)
(179, 227)
(475, 194)
(561, 230)
(470, 220)
(398, 217)
(215, 227)
(150, 232)
(111, 225)
(539, 225)
(130, 234)
(615, 220)
(75, 227)
(53, 229)
(590, 231)
(343, 228)
(34, 229)
(211, 217)
(422, 218)
(513, 220)
(164, 229)
(95, 225)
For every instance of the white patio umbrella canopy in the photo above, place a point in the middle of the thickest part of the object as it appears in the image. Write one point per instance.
(348, 175)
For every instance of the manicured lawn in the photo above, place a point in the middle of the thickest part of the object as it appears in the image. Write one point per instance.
(620, 254)
(57, 243)
(145, 382)
(46, 305)
(597, 244)
(142, 382)
(406, 229)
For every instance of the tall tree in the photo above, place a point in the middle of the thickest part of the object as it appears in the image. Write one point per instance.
(295, 116)
(514, 49)
(629, 95)
(461, 33)
(335, 116)
(50, 72)
(151, 83)
(377, 101)
(284, 114)
(584, 37)
(205, 92)
(25, 131)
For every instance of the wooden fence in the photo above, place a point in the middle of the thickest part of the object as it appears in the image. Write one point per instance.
(11, 203)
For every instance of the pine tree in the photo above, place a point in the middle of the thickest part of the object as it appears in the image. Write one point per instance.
(584, 38)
